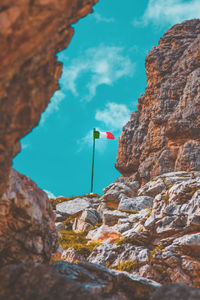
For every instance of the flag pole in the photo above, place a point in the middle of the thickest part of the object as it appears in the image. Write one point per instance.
(93, 161)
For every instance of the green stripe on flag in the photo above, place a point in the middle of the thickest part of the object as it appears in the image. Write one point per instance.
(96, 134)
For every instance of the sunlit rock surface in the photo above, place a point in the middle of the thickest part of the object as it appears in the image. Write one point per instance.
(163, 134)
(161, 241)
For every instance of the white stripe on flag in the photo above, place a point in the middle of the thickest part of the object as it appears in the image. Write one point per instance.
(103, 135)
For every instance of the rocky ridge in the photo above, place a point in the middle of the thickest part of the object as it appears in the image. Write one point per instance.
(156, 233)
(163, 135)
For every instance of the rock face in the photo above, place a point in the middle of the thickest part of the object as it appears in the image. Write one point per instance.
(66, 280)
(163, 135)
(32, 33)
(27, 228)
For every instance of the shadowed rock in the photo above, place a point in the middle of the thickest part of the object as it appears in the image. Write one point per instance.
(176, 292)
(65, 280)
(27, 228)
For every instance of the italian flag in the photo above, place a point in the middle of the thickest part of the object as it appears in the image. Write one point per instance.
(102, 135)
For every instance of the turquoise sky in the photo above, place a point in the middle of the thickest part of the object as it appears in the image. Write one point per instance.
(103, 76)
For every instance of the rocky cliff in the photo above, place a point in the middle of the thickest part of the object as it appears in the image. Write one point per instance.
(32, 32)
(163, 135)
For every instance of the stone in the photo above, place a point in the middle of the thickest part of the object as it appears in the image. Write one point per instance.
(189, 243)
(162, 238)
(27, 228)
(136, 203)
(152, 188)
(122, 227)
(175, 292)
(143, 256)
(117, 190)
(111, 217)
(74, 281)
(88, 219)
(112, 255)
(71, 255)
(73, 206)
(163, 134)
(61, 217)
(137, 238)
(104, 254)
(104, 234)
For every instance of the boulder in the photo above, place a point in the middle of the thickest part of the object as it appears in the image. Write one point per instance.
(72, 281)
(137, 238)
(175, 292)
(188, 244)
(104, 234)
(71, 255)
(27, 223)
(111, 217)
(73, 206)
(136, 203)
(88, 219)
(117, 190)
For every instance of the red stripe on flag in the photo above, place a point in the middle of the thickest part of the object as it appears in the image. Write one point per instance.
(110, 135)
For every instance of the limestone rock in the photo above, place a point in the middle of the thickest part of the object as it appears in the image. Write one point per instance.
(136, 203)
(117, 190)
(163, 134)
(88, 219)
(111, 254)
(189, 243)
(71, 255)
(137, 238)
(111, 217)
(73, 206)
(74, 281)
(27, 229)
(162, 241)
(103, 233)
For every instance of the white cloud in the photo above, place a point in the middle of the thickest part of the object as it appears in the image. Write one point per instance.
(49, 194)
(104, 65)
(53, 105)
(169, 12)
(100, 18)
(114, 116)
